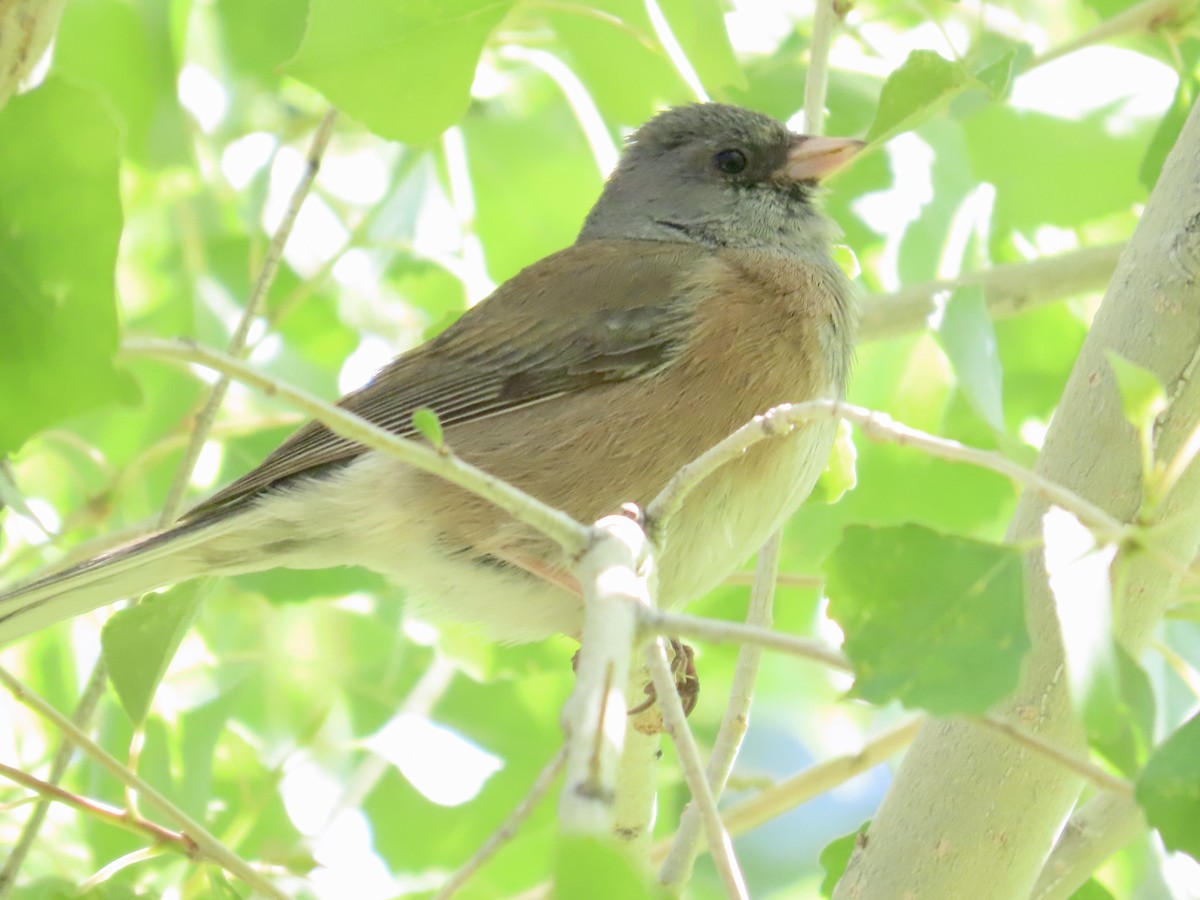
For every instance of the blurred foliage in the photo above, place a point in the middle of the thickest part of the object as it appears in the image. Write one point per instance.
(141, 175)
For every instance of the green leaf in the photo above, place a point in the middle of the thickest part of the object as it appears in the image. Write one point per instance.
(836, 855)
(968, 339)
(996, 76)
(429, 426)
(1143, 396)
(124, 51)
(839, 474)
(914, 92)
(1049, 182)
(1169, 789)
(699, 26)
(424, 52)
(140, 641)
(934, 621)
(610, 36)
(60, 215)
(1167, 132)
(1092, 890)
(1123, 733)
(590, 869)
(259, 36)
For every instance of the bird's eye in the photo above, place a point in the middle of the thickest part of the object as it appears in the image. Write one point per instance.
(731, 162)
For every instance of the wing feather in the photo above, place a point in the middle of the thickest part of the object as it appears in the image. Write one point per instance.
(589, 315)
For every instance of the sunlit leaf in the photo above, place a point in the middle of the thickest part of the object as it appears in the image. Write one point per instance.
(836, 855)
(140, 641)
(1169, 789)
(914, 92)
(965, 333)
(425, 53)
(60, 215)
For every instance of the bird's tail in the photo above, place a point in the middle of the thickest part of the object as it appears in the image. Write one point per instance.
(130, 570)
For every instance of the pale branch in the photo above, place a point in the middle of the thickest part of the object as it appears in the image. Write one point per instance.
(508, 829)
(613, 572)
(26, 29)
(782, 419)
(558, 526)
(719, 844)
(637, 772)
(1147, 16)
(816, 79)
(970, 790)
(824, 776)
(676, 871)
(206, 843)
(719, 632)
(1095, 831)
(1008, 289)
(258, 294)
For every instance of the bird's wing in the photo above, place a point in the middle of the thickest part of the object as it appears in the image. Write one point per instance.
(592, 314)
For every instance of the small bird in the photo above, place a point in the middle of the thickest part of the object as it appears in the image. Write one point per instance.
(699, 293)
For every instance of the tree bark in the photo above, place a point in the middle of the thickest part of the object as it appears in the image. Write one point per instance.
(971, 814)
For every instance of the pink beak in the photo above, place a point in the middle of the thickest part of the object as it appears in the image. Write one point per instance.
(813, 158)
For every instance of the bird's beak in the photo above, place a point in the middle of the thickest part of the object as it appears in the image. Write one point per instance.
(814, 158)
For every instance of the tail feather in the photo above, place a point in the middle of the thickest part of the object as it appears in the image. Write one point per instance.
(126, 571)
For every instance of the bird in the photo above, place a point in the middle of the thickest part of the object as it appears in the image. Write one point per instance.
(700, 292)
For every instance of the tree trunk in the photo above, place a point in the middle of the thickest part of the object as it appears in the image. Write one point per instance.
(971, 814)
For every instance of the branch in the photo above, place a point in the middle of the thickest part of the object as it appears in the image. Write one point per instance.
(1007, 289)
(965, 788)
(1095, 832)
(206, 843)
(812, 782)
(26, 29)
(508, 830)
(718, 632)
(558, 526)
(1148, 16)
(1070, 761)
(119, 818)
(612, 573)
(676, 871)
(782, 419)
(719, 844)
(816, 80)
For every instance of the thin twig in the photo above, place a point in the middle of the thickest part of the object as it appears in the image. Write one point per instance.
(1065, 758)
(718, 632)
(812, 782)
(119, 818)
(558, 526)
(1146, 16)
(1008, 289)
(206, 842)
(675, 720)
(877, 426)
(816, 80)
(508, 830)
(677, 869)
